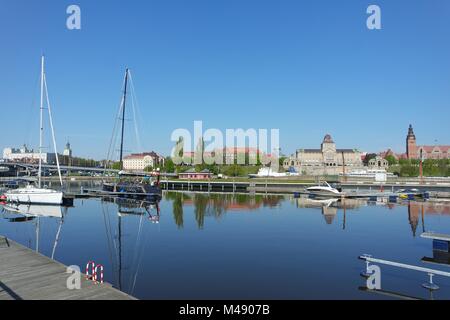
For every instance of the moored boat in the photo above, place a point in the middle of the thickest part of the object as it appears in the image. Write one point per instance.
(130, 184)
(324, 190)
(32, 194)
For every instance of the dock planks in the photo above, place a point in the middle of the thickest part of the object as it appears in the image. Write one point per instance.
(28, 275)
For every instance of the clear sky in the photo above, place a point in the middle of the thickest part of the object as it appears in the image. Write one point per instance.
(305, 67)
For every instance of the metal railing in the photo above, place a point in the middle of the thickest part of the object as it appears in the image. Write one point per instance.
(431, 272)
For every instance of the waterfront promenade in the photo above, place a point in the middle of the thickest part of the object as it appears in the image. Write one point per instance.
(28, 275)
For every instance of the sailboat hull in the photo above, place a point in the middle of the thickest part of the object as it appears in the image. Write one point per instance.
(35, 196)
(133, 190)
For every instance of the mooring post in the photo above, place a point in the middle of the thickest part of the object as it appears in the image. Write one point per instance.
(365, 273)
(430, 285)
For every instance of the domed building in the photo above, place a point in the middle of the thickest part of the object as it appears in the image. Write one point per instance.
(328, 160)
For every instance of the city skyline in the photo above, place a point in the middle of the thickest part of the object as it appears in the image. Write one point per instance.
(231, 65)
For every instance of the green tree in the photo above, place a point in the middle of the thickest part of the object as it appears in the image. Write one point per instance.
(169, 166)
(116, 166)
(391, 159)
(281, 161)
(409, 171)
(233, 170)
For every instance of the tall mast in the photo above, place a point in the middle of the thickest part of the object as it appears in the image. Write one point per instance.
(41, 126)
(123, 117)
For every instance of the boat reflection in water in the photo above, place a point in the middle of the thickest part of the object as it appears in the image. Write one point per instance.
(126, 207)
(140, 211)
(33, 212)
(330, 206)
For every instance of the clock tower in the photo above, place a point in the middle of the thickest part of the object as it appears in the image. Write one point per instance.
(411, 147)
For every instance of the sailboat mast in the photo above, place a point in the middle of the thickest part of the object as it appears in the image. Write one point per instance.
(41, 126)
(123, 118)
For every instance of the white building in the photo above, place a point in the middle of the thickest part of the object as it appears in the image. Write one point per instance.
(140, 161)
(326, 160)
(27, 155)
(67, 150)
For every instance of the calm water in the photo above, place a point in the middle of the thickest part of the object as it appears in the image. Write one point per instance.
(199, 246)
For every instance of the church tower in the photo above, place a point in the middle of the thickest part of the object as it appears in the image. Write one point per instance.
(67, 150)
(411, 147)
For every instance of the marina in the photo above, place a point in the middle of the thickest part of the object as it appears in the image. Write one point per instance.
(206, 151)
(132, 239)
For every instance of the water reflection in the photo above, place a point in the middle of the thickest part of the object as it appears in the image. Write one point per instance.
(216, 205)
(19, 213)
(136, 240)
(330, 207)
(126, 270)
(416, 210)
(136, 207)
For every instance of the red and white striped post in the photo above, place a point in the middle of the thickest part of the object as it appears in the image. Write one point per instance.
(90, 276)
(96, 273)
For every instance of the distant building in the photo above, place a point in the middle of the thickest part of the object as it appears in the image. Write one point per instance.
(232, 155)
(27, 155)
(411, 148)
(193, 175)
(414, 151)
(390, 152)
(140, 161)
(67, 150)
(324, 161)
(378, 163)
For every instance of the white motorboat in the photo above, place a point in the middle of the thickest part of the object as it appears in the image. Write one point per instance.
(32, 194)
(324, 190)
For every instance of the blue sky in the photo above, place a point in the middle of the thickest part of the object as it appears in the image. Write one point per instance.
(305, 67)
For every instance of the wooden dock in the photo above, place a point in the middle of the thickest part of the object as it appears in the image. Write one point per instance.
(28, 275)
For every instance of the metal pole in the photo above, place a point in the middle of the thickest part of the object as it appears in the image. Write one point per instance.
(123, 118)
(406, 266)
(41, 126)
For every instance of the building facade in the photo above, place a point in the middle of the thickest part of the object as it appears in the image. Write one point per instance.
(140, 161)
(378, 163)
(192, 174)
(328, 160)
(67, 150)
(27, 155)
(414, 151)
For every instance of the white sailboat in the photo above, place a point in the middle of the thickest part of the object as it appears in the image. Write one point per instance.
(32, 194)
